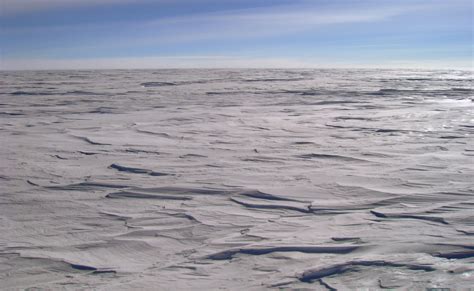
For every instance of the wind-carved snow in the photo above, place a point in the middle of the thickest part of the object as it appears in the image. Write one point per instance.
(237, 179)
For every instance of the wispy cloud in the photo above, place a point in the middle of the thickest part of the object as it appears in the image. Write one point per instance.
(253, 23)
(338, 30)
(278, 20)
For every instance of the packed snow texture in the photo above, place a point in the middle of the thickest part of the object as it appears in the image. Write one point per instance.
(237, 179)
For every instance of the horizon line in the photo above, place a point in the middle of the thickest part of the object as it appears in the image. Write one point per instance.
(244, 68)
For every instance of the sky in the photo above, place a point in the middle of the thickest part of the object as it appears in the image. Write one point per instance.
(126, 34)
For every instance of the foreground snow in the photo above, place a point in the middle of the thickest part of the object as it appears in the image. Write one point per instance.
(245, 179)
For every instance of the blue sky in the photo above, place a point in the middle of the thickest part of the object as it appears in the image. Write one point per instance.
(77, 34)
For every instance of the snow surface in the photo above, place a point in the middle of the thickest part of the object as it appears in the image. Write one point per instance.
(236, 179)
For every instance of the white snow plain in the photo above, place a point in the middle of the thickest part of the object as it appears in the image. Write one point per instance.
(236, 179)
